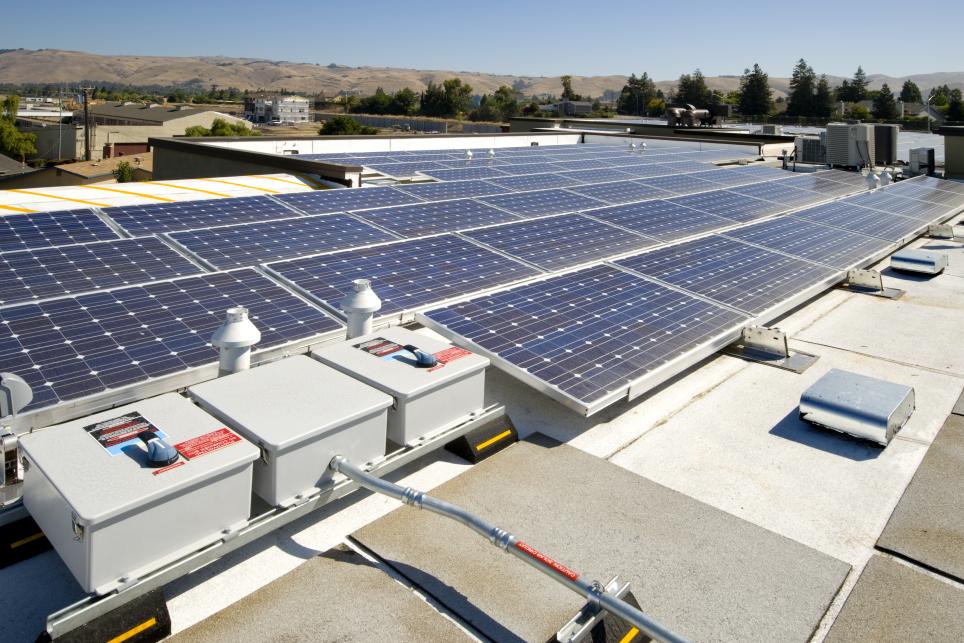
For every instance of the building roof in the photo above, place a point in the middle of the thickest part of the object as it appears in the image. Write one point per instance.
(146, 112)
(105, 167)
(10, 167)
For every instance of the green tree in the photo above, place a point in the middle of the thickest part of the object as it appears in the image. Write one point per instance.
(404, 102)
(124, 172)
(755, 97)
(803, 83)
(377, 103)
(859, 85)
(823, 103)
(448, 100)
(691, 89)
(500, 106)
(656, 107)
(955, 109)
(635, 95)
(13, 142)
(910, 92)
(221, 127)
(885, 108)
(857, 112)
(345, 125)
(567, 93)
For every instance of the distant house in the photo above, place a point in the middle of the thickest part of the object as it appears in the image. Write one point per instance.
(175, 118)
(569, 107)
(277, 108)
(81, 173)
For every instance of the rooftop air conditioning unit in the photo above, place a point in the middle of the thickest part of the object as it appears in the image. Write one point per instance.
(885, 144)
(850, 145)
(922, 160)
(772, 130)
(811, 149)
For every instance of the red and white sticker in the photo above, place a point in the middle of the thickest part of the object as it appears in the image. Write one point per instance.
(449, 355)
(179, 463)
(207, 443)
(545, 560)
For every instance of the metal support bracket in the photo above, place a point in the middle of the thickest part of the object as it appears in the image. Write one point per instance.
(770, 346)
(943, 231)
(591, 614)
(11, 473)
(870, 282)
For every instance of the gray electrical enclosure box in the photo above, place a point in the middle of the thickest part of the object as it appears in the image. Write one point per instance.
(425, 399)
(110, 515)
(861, 406)
(925, 262)
(301, 414)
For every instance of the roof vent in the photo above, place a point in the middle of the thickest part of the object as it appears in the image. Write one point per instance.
(360, 306)
(235, 337)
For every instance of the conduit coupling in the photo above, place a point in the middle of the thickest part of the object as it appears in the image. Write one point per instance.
(592, 591)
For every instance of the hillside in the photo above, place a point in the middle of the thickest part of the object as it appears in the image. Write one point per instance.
(21, 66)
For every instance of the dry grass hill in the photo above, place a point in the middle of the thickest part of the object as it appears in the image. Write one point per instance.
(57, 66)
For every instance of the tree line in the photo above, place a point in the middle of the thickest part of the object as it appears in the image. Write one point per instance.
(13, 142)
(451, 98)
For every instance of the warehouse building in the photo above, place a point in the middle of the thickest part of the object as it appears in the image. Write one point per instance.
(277, 109)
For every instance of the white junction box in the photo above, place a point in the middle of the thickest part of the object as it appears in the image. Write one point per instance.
(426, 399)
(927, 262)
(109, 514)
(301, 414)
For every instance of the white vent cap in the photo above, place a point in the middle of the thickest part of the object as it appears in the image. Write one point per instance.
(237, 331)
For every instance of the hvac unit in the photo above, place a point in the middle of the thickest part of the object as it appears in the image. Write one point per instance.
(811, 149)
(772, 130)
(885, 144)
(850, 145)
(922, 160)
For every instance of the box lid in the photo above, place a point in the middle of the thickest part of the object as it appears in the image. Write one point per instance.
(102, 475)
(379, 360)
(288, 401)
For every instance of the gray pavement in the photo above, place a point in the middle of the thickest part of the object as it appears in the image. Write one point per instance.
(928, 524)
(698, 570)
(893, 601)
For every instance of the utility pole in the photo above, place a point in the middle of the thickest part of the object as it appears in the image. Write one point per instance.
(86, 91)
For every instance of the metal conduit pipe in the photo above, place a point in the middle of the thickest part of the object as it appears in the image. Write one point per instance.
(592, 591)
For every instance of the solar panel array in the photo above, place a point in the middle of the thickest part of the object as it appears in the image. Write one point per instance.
(107, 311)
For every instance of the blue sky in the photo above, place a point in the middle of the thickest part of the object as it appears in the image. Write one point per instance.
(520, 37)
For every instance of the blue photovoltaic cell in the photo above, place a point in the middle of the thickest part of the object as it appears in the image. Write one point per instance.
(647, 171)
(52, 272)
(854, 179)
(597, 176)
(404, 170)
(732, 177)
(815, 183)
(341, 200)
(542, 202)
(185, 215)
(940, 184)
(534, 182)
(465, 173)
(729, 272)
(588, 334)
(731, 205)
(924, 192)
(886, 201)
(77, 346)
(583, 164)
(812, 241)
(45, 229)
(406, 275)
(620, 192)
(255, 243)
(686, 165)
(450, 190)
(843, 214)
(662, 220)
(555, 243)
(530, 168)
(681, 183)
(780, 192)
(440, 216)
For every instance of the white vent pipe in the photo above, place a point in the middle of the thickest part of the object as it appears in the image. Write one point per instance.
(360, 306)
(234, 338)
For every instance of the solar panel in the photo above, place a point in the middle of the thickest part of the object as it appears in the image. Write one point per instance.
(886, 201)
(843, 214)
(596, 176)
(406, 274)
(620, 192)
(681, 184)
(745, 277)
(542, 202)
(583, 164)
(812, 241)
(731, 205)
(927, 192)
(659, 219)
(587, 336)
(77, 346)
(450, 189)
(45, 229)
(646, 170)
(465, 173)
(440, 216)
(185, 215)
(940, 184)
(728, 177)
(52, 272)
(761, 172)
(687, 165)
(254, 243)
(555, 243)
(534, 182)
(780, 192)
(341, 200)
(815, 183)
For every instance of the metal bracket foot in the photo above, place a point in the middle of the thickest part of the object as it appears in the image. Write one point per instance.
(591, 614)
(769, 346)
(870, 282)
(943, 231)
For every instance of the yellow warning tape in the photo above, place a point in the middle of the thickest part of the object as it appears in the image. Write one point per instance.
(491, 441)
(278, 178)
(134, 631)
(54, 196)
(140, 194)
(630, 635)
(28, 539)
(16, 209)
(184, 187)
(240, 185)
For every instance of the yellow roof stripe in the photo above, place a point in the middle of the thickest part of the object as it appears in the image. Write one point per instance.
(16, 209)
(140, 194)
(54, 196)
(184, 187)
(240, 185)
(278, 178)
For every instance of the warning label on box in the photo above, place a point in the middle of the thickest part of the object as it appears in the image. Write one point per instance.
(118, 433)
(379, 347)
(207, 443)
(449, 355)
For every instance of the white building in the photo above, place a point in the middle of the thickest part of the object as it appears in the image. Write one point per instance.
(276, 108)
